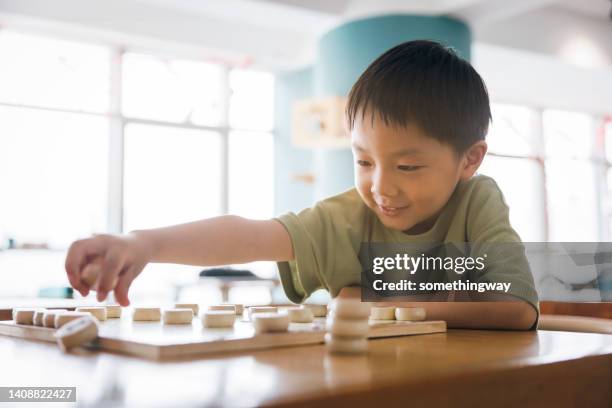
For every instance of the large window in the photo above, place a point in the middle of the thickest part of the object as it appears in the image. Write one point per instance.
(53, 139)
(550, 168)
(93, 139)
(175, 91)
(171, 176)
(513, 163)
(216, 157)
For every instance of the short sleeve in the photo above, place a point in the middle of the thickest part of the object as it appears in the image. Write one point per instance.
(325, 239)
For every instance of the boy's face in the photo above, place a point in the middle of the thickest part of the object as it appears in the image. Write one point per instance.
(403, 175)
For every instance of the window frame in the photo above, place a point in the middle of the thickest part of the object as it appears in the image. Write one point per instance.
(597, 157)
(118, 122)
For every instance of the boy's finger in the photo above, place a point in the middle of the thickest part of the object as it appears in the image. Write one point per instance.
(123, 286)
(77, 255)
(110, 268)
(90, 273)
(76, 284)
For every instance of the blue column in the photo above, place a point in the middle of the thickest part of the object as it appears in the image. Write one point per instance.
(289, 194)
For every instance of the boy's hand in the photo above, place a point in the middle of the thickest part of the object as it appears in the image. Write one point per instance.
(106, 262)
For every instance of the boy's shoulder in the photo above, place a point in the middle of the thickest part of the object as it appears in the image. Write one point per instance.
(347, 205)
(481, 188)
(348, 197)
(347, 215)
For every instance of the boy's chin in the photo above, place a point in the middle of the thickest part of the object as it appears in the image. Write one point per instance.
(395, 224)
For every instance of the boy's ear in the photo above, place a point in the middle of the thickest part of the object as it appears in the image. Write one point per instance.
(472, 159)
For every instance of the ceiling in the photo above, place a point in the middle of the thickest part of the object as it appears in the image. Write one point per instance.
(598, 9)
(284, 33)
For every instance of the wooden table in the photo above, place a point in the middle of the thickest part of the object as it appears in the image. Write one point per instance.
(458, 368)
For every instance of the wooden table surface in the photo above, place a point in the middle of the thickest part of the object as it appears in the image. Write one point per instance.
(458, 368)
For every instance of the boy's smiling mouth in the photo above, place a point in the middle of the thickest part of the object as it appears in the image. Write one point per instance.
(390, 211)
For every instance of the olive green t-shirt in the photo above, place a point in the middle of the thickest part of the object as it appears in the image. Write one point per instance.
(327, 239)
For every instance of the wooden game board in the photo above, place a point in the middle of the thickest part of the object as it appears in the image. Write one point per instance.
(154, 340)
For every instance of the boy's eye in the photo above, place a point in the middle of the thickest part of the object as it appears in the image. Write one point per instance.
(408, 168)
(363, 163)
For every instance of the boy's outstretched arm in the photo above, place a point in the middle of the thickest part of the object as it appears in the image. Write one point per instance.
(115, 260)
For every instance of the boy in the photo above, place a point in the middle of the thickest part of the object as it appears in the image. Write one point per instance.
(418, 117)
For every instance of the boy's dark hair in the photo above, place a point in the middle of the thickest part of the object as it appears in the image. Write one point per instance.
(425, 83)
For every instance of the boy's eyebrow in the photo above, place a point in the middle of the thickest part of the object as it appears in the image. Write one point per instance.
(404, 152)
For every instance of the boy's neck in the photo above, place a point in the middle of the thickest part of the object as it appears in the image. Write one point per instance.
(423, 226)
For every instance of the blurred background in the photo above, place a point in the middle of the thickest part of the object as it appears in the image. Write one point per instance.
(128, 114)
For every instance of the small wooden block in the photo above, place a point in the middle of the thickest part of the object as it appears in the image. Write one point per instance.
(146, 314)
(113, 311)
(270, 322)
(348, 327)
(317, 310)
(382, 313)
(193, 306)
(299, 315)
(99, 312)
(226, 308)
(261, 309)
(350, 308)
(38, 317)
(65, 317)
(218, 318)
(24, 315)
(412, 314)
(239, 308)
(178, 316)
(49, 317)
(90, 273)
(344, 345)
(77, 332)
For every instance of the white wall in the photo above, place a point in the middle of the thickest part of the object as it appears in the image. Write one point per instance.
(554, 31)
(521, 77)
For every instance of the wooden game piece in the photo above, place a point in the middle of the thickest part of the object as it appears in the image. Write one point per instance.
(299, 315)
(65, 317)
(99, 312)
(347, 327)
(38, 317)
(382, 313)
(24, 315)
(412, 314)
(90, 273)
(261, 309)
(239, 308)
(317, 310)
(218, 318)
(227, 308)
(146, 314)
(193, 306)
(92, 270)
(346, 345)
(270, 322)
(77, 332)
(178, 316)
(350, 308)
(49, 317)
(113, 311)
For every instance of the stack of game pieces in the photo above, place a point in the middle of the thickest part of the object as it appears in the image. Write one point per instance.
(347, 326)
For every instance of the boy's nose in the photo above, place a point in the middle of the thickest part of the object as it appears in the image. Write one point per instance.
(383, 186)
